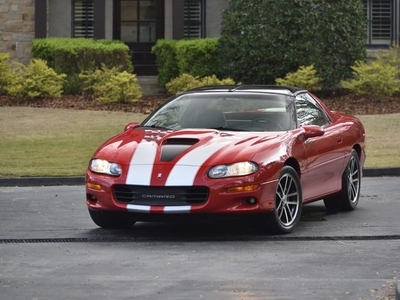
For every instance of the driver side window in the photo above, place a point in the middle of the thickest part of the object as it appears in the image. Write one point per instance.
(308, 111)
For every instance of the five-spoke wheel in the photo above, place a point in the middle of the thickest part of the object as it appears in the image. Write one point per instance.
(288, 202)
(347, 198)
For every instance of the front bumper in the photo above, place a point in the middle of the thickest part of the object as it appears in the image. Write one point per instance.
(213, 196)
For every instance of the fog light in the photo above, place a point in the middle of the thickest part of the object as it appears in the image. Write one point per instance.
(91, 197)
(251, 200)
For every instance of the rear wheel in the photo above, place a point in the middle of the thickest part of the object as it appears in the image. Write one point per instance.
(112, 220)
(348, 197)
(288, 203)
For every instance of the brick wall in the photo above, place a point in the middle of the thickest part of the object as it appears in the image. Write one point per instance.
(17, 28)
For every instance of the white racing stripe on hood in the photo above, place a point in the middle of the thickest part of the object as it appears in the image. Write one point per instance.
(185, 170)
(143, 161)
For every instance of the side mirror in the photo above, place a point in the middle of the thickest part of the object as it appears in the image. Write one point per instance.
(131, 126)
(311, 131)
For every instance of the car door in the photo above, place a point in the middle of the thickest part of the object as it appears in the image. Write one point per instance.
(323, 166)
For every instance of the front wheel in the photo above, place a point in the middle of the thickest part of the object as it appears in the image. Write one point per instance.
(347, 198)
(288, 204)
(112, 220)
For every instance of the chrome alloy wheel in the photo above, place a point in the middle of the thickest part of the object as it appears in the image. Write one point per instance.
(353, 179)
(288, 200)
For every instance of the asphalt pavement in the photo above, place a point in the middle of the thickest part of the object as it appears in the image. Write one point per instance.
(50, 249)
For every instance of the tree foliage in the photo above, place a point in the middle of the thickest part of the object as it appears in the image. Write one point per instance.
(262, 40)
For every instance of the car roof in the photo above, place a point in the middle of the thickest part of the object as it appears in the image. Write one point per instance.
(259, 88)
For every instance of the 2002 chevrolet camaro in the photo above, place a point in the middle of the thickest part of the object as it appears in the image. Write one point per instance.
(258, 151)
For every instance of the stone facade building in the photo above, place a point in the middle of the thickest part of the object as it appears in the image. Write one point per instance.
(140, 23)
(17, 28)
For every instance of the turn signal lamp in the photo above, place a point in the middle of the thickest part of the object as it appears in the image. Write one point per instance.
(246, 188)
(93, 186)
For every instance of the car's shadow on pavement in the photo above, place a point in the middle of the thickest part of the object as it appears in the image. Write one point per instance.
(230, 229)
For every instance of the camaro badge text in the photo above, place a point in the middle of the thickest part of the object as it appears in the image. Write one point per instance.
(146, 196)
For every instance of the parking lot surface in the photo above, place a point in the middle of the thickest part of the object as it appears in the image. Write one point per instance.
(50, 249)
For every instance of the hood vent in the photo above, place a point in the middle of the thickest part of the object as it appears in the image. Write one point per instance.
(172, 147)
(181, 141)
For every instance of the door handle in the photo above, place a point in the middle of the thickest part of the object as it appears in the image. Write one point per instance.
(339, 139)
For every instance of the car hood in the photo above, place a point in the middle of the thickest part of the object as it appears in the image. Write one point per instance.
(194, 147)
(181, 158)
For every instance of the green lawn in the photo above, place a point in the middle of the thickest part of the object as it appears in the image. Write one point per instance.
(54, 142)
(60, 142)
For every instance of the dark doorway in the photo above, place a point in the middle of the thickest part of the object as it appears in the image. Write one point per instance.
(140, 23)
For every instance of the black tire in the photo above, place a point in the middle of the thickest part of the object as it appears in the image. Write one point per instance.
(112, 220)
(347, 199)
(288, 203)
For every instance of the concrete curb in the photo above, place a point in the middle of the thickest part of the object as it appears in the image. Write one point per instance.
(41, 181)
(379, 172)
(54, 181)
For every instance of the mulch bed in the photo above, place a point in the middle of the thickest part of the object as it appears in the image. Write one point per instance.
(356, 105)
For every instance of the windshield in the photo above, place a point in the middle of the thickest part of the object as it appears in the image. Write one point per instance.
(226, 111)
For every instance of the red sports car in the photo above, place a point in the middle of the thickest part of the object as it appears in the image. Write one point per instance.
(258, 151)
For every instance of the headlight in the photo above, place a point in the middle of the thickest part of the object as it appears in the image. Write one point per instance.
(105, 167)
(236, 169)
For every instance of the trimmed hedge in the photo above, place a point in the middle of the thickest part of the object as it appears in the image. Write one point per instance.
(75, 55)
(165, 51)
(197, 57)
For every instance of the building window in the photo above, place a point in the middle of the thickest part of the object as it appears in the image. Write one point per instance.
(380, 21)
(138, 21)
(83, 18)
(193, 19)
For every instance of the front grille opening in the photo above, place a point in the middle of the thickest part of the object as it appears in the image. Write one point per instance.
(163, 196)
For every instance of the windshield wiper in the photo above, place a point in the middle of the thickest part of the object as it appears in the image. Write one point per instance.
(155, 127)
(228, 128)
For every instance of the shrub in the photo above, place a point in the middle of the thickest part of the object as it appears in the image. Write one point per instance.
(378, 79)
(304, 77)
(197, 57)
(391, 56)
(112, 85)
(36, 80)
(213, 80)
(186, 82)
(5, 72)
(182, 83)
(262, 40)
(165, 51)
(75, 55)
(73, 85)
